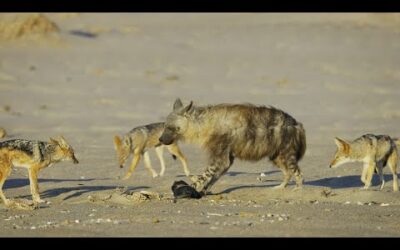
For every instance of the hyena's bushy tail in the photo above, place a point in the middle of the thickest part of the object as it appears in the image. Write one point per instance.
(299, 140)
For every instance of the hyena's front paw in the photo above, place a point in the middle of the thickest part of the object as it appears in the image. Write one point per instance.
(194, 178)
(280, 186)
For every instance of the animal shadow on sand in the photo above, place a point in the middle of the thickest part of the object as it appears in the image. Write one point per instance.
(77, 190)
(350, 181)
(21, 182)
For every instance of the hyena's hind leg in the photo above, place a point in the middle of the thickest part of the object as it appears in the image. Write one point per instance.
(5, 170)
(392, 162)
(174, 149)
(288, 165)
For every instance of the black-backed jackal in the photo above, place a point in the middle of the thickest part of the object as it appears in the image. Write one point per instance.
(33, 155)
(375, 151)
(138, 141)
(243, 131)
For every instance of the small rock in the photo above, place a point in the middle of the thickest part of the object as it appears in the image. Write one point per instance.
(155, 220)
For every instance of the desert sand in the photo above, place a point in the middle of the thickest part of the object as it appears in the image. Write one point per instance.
(91, 76)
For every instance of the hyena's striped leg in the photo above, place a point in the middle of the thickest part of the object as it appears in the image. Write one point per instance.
(33, 180)
(159, 152)
(279, 162)
(147, 164)
(135, 161)
(218, 166)
(288, 164)
(174, 149)
(392, 162)
(5, 170)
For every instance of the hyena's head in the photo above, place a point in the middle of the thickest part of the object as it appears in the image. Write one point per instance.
(123, 148)
(63, 151)
(342, 154)
(176, 123)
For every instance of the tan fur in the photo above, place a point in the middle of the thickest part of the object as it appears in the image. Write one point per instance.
(375, 151)
(138, 141)
(33, 155)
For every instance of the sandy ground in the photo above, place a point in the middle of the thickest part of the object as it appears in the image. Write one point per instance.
(338, 74)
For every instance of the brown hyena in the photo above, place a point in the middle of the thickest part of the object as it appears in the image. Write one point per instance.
(243, 131)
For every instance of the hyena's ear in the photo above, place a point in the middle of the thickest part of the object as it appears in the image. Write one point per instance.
(117, 142)
(340, 143)
(178, 104)
(188, 108)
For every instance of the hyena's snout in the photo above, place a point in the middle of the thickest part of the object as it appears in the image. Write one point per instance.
(166, 139)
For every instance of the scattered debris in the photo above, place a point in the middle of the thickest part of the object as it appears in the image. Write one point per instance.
(327, 193)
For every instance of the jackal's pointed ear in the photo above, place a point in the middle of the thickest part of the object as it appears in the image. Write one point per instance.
(340, 143)
(188, 108)
(178, 104)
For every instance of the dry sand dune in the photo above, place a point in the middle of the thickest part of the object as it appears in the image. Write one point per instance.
(96, 75)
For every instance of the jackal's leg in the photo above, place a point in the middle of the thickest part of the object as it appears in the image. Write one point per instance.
(33, 179)
(147, 164)
(5, 170)
(370, 173)
(135, 161)
(159, 152)
(174, 149)
(379, 170)
(219, 164)
(392, 162)
(364, 172)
